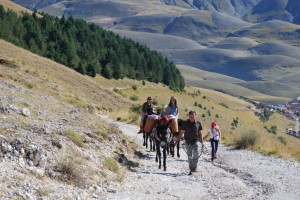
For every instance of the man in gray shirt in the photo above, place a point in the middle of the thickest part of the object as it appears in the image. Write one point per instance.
(193, 137)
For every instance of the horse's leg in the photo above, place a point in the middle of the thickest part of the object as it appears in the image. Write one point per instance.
(172, 147)
(147, 136)
(165, 158)
(158, 154)
(153, 145)
(144, 137)
(178, 154)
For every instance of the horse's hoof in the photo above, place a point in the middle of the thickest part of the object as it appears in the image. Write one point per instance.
(178, 156)
(159, 167)
(144, 144)
(156, 160)
(165, 169)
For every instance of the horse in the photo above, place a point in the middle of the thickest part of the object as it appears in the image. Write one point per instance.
(162, 135)
(148, 126)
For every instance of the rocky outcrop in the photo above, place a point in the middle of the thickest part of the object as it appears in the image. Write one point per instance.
(16, 150)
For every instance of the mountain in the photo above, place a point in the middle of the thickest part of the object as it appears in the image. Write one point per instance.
(285, 10)
(252, 40)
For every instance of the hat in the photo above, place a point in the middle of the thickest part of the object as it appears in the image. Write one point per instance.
(149, 98)
(213, 125)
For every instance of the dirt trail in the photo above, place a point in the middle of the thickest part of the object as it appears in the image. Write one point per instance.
(236, 174)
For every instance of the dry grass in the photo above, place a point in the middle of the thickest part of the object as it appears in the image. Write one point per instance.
(213, 102)
(43, 75)
(70, 166)
(75, 137)
(13, 6)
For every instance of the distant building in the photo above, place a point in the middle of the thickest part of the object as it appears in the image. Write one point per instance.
(296, 132)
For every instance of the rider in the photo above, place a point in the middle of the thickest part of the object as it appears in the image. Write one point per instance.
(146, 108)
(193, 136)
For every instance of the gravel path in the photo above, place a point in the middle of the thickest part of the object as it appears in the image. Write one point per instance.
(236, 174)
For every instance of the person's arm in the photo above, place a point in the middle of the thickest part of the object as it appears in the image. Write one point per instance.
(200, 136)
(219, 132)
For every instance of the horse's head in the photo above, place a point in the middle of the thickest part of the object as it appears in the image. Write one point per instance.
(163, 133)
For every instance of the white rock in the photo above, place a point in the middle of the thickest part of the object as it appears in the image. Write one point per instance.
(25, 112)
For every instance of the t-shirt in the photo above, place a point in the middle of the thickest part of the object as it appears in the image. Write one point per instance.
(191, 129)
(214, 133)
(172, 109)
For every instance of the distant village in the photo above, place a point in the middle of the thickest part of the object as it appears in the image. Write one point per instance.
(290, 110)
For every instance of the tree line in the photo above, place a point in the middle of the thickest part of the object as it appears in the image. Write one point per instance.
(87, 48)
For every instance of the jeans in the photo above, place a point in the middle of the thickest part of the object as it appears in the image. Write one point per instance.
(214, 147)
(193, 152)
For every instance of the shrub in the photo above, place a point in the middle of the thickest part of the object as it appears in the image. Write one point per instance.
(195, 104)
(208, 112)
(26, 104)
(224, 105)
(204, 97)
(217, 116)
(134, 98)
(235, 122)
(265, 115)
(111, 164)
(247, 139)
(74, 137)
(273, 129)
(282, 140)
(203, 115)
(155, 102)
(143, 82)
(136, 108)
(70, 169)
(134, 87)
(199, 105)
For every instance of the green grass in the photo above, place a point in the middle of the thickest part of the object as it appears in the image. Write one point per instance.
(111, 164)
(75, 137)
(247, 139)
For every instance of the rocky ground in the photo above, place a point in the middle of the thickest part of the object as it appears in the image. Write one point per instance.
(236, 174)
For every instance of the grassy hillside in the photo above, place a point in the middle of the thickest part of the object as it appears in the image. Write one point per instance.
(227, 84)
(40, 76)
(212, 106)
(236, 48)
(50, 77)
(13, 6)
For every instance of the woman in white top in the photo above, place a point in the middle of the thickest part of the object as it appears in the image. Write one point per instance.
(215, 136)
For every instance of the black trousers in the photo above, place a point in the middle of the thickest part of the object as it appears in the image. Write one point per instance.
(214, 147)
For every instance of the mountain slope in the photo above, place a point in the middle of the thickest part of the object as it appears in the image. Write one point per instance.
(285, 10)
(235, 47)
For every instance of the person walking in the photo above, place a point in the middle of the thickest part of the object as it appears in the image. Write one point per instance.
(215, 135)
(147, 108)
(194, 139)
